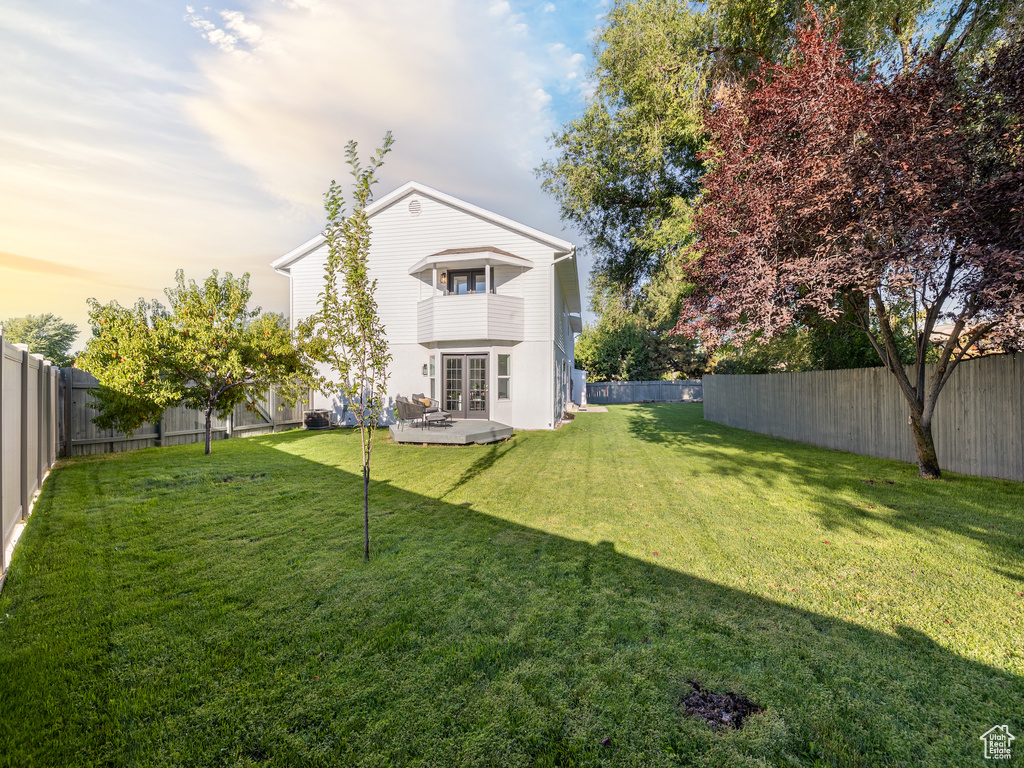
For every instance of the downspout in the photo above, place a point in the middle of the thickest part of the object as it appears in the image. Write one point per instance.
(551, 325)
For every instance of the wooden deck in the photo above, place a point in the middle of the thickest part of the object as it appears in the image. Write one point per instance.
(462, 432)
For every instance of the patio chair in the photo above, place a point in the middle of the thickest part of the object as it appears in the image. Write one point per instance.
(407, 411)
(432, 414)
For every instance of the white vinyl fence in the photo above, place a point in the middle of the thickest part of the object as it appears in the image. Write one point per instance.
(611, 392)
(28, 435)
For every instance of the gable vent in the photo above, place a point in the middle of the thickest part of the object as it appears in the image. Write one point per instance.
(415, 207)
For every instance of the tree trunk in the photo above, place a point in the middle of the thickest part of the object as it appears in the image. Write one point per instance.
(927, 461)
(366, 511)
(209, 417)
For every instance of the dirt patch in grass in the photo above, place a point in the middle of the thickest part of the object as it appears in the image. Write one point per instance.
(720, 710)
(239, 478)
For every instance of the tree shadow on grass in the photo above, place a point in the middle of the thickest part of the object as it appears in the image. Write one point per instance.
(492, 455)
(240, 626)
(889, 493)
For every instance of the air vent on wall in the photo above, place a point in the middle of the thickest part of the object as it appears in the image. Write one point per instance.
(414, 207)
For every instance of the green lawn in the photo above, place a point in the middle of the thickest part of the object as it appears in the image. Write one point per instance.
(525, 601)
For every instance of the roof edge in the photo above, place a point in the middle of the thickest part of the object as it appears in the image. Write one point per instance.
(282, 263)
(414, 186)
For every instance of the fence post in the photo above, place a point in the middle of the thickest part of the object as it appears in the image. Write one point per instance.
(51, 415)
(23, 447)
(40, 426)
(69, 395)
(55, 410)
(58, 437)
(3, 538)
(273, 410)
(51, 423)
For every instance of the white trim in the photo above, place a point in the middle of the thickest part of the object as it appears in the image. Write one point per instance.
(487, 258)
(498, 377)
(282, 263)
(414, 186)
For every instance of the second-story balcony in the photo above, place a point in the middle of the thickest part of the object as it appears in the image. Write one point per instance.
(469, 316)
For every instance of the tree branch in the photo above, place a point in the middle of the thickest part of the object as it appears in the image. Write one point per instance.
(954, 20)
(894, 363)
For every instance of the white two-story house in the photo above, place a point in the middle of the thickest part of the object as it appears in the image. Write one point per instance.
(479, 310)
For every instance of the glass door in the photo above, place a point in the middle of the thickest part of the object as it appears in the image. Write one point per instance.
(477, 386)
(454, 386)
(465, 386)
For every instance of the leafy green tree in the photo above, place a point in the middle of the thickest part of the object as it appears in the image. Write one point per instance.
(345, 336)
(46, 335)
(637, 344)
(627, 172)
(786, 353)
(207, 350)
(616, 348)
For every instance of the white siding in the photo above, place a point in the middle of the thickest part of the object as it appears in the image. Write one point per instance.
(401, 239)
(508, 281)
(307, 278)
(516, 320)
(505, 317)
(561, 316)
(563, 377)
(564, 350)
(484, 316)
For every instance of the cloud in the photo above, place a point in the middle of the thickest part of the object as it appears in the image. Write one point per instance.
(48, 268)
(465, 90)
(108, 186)
(66, 38)
(238, 36)
(133, 144)
(246, 31)
(549, 8)
(570, 67)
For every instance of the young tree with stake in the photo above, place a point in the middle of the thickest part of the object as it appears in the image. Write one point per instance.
(345, 338)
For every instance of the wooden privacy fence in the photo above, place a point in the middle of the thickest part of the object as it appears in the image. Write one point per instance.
(176, 426)
(978, 425)
(28, 434)
(611, 392)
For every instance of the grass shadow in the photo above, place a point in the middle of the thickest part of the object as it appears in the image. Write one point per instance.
(493, 454)
(845, 492)
(234, 623)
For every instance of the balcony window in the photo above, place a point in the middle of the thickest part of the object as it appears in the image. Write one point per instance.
(464, 281)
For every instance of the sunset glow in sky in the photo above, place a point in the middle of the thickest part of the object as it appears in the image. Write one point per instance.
(139, 136)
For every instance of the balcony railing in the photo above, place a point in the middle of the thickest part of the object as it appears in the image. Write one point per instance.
(470, 316)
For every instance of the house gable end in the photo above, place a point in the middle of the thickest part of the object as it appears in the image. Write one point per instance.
(283, 264)
(415, 188)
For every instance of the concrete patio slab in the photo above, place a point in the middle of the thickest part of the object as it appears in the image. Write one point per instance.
(463, 432)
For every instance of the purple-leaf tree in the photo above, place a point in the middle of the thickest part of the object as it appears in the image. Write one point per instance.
(829, 187)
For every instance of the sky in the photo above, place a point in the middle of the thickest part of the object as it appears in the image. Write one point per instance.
(142, 136)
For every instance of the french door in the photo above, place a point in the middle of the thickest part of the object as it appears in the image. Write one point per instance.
(464, 386)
